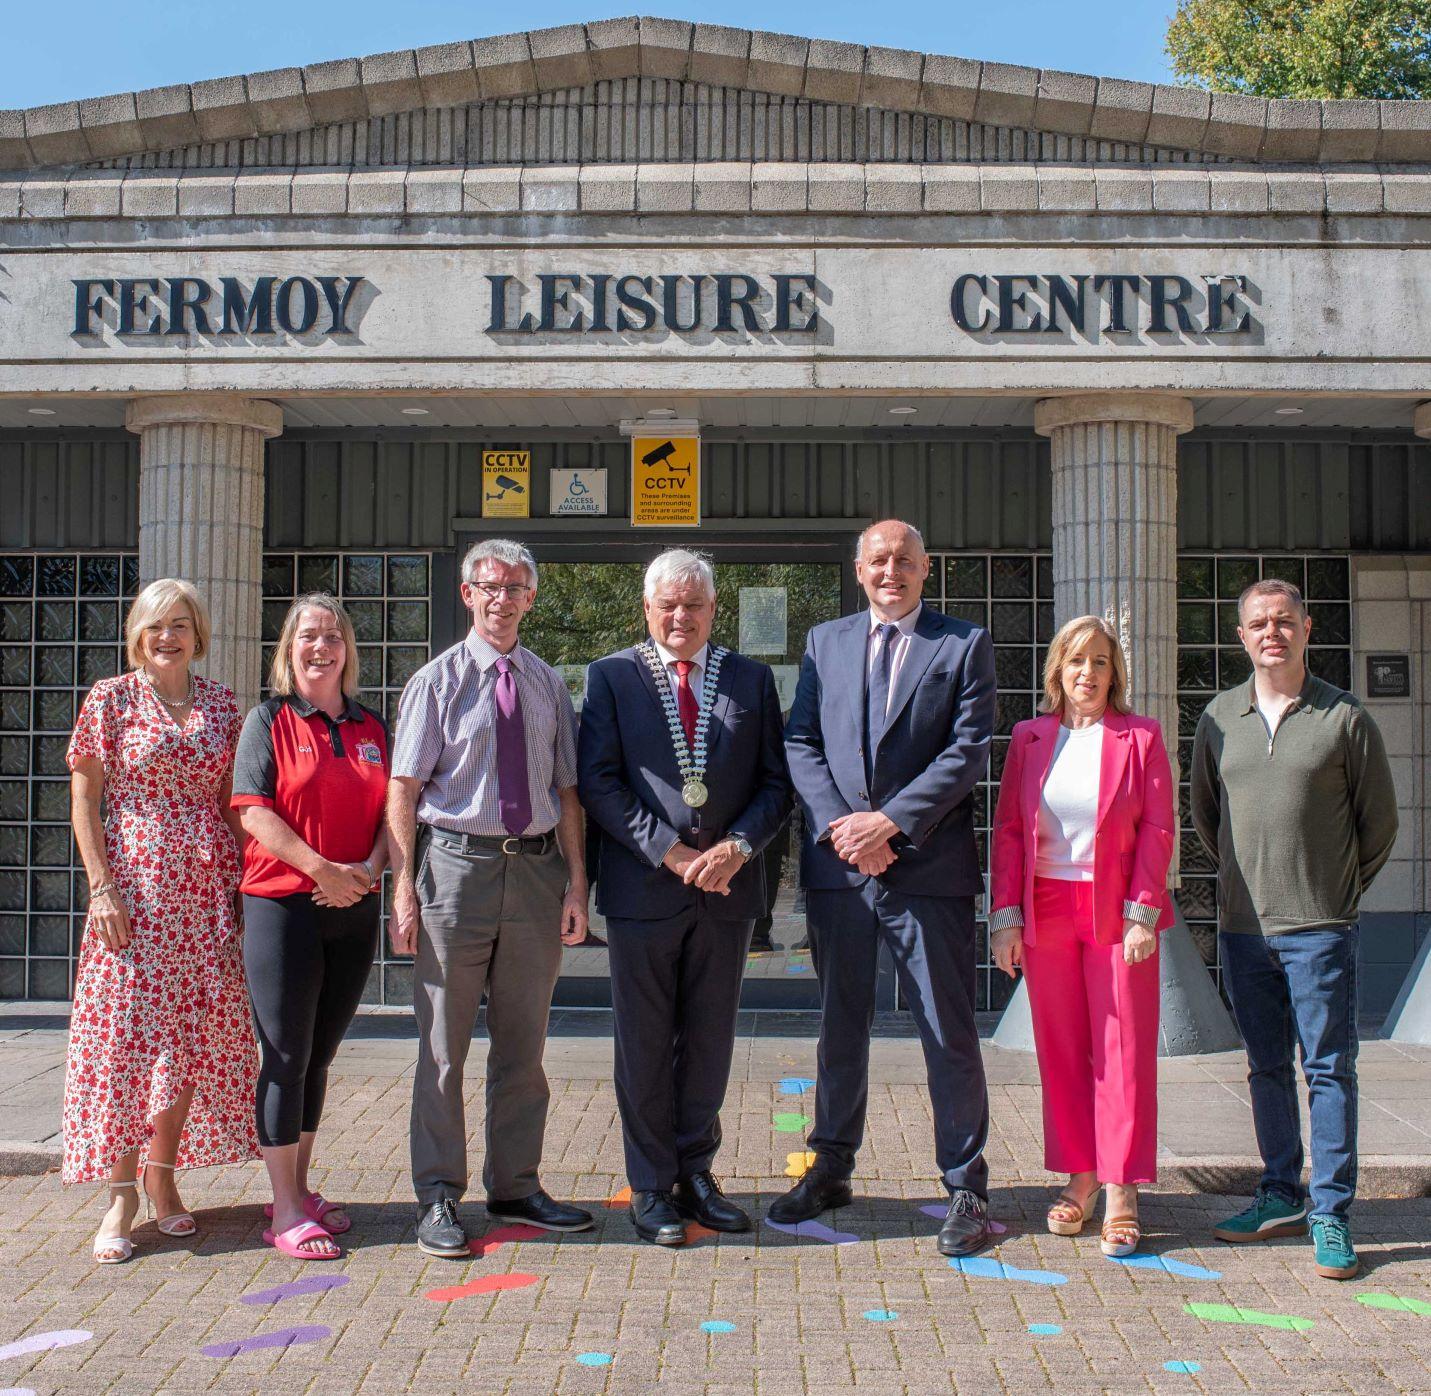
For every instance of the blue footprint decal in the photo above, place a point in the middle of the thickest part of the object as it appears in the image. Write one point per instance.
(1144, 1261)
(795, 1085)
(818, 1230)
(985, 1267)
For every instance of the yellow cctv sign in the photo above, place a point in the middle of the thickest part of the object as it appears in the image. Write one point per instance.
(506, 484)
(665, 481)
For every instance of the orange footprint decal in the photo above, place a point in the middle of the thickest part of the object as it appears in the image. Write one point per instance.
(619, 1199)
(488, 1284)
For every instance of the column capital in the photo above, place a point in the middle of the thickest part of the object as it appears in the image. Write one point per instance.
(1157, 409)
(221, 409)
(1421, 422)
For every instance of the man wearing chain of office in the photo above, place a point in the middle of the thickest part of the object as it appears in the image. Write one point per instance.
(680, 762)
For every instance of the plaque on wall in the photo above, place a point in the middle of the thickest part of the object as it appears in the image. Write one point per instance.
(1388, 676)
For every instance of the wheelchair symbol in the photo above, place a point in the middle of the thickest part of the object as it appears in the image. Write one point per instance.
(577, 487)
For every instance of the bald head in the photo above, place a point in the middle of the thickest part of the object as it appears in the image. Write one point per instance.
(891, 565)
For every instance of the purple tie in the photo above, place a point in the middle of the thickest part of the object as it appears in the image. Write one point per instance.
(513, 795)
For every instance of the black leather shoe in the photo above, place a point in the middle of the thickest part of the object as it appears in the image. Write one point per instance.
(440, 1233)
(700, 1198)
(543, 1211)
(966, 1224)
(656, 1219)
(816, 1192)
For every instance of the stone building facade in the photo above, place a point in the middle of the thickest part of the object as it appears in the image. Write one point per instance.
(1113, 346)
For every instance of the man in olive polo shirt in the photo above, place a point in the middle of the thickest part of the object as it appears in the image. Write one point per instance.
(1293, 800)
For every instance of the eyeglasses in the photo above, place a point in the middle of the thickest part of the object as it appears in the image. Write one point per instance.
(494, 591)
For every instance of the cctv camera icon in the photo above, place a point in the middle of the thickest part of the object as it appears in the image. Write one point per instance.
(505, 483)
(663, 453)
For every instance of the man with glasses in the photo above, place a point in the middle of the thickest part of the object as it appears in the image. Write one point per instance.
(489, 881)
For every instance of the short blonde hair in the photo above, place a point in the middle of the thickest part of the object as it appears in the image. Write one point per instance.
(1068, 640)
(153, 604)
(280, 672)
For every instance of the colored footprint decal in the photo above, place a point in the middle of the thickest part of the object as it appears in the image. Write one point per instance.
(881, 1315)
(985, 1267)
(617, 1200)
(786, 1122)
(816, 1229)
(1394, 1301)
(1228, 1313)
(488, 1284)
(938, 1209)
(283, 1338)
(798, 1164)
(795, 1085)
(18, 1391)
(43, 1342)
(1045, 1330)
(717, 1325)
(314, 1284)
(1144, 1261)
(594, 1359)
(1185, 1368)
(520, 1231)
(696, 1232)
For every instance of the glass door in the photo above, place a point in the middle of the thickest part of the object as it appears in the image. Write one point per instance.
(589, 604)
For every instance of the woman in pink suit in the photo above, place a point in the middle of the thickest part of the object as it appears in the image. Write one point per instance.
(1083, 837)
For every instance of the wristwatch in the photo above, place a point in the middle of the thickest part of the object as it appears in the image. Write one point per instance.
(742, 846)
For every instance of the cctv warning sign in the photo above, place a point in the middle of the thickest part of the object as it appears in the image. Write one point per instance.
(665, 482)
(506, 484)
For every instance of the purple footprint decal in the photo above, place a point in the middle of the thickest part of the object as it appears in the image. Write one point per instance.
(283, 1338)
(313, 1284)
(43, 1342)
(938, 1209)
(818, 1230)
(1145, 1261)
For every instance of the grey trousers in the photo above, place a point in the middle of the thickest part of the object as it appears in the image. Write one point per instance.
(491, 924)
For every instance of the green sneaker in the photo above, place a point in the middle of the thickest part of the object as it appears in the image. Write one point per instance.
(1334, 1257)
(1269, 1215)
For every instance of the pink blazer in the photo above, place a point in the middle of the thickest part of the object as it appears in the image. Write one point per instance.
(1133, 845)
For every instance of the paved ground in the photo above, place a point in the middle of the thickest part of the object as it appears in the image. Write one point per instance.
(877, 1310)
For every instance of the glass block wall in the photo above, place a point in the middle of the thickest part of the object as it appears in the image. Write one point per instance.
(388, 598)
(61, 622)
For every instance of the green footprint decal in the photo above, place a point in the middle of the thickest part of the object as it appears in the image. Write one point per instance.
(1394, 1301)
(789, 1123)
(1228, 1313)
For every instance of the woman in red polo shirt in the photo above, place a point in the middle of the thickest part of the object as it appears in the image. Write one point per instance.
(310, 777)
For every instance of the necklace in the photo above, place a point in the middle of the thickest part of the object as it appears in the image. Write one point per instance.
(182, 702)
(692, 763)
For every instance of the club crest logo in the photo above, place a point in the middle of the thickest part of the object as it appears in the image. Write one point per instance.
(368, 752)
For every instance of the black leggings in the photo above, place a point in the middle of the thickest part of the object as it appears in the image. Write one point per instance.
(307, 965)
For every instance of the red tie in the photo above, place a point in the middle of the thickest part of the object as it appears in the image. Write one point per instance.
(686, 703)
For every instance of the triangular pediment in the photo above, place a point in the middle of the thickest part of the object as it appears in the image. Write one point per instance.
(527, 68)
(640, 121)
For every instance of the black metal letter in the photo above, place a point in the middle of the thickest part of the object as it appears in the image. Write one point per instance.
(182, 301)
(251, 315)
(87, 307)
(1009, 302)
(1070, 300)
(727, 299)
(1117, 310)
(1160, 302)
(554, 300)
(787, 299)
(671, 302)
(628, 298)
(958, 303)
(1221, 301)
(599, 282)
(338, 305)
(133, 302)
(284, 304)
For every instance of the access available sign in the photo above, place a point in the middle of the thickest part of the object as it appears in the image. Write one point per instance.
(665, 482)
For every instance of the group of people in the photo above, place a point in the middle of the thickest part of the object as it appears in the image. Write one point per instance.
(682, 763)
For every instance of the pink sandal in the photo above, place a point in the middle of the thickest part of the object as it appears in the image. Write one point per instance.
(290, 1242)
(319, 1209)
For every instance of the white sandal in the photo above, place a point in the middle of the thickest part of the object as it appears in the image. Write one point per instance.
(104, 1245)
(179, 1224)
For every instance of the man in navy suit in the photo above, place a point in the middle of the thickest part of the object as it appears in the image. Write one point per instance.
(680, 762)
(887, 739)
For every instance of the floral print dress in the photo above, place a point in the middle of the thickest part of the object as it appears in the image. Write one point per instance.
(171, 1009)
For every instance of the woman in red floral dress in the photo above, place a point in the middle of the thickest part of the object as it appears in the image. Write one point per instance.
(162, 1059)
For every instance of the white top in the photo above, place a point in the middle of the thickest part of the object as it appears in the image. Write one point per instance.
(898, 650)
(1068, 808)
(698, 667)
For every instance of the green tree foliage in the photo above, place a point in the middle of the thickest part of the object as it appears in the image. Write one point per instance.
(1304, 48)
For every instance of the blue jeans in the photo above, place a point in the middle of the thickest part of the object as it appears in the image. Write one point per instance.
(1300, 988)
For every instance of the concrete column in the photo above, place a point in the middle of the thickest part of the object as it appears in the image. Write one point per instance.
(201, 515)
(1115, 554)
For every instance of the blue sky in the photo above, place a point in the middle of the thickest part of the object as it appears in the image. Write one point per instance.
(85, 48)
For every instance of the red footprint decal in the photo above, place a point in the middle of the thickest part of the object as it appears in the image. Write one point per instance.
(488, 1284)
(485, 1245)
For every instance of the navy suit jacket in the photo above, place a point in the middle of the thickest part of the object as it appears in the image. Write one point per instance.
(931, 756)
(630, 785)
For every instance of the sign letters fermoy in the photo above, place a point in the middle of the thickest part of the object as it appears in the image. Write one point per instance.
(184, 305)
